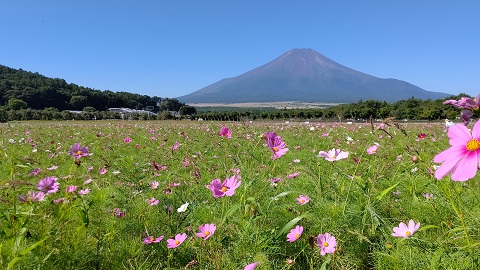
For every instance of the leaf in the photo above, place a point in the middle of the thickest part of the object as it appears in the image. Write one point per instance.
(231, 211)
(325, 263)
(290, 224)
(384, 192)
(23, 253)
(278, 196)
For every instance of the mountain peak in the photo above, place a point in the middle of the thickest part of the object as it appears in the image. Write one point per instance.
(305, 75)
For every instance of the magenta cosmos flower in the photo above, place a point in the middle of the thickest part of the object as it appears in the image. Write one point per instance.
(333, 155)
(467, 104)
(206, 231)
(294, 234)
(275, 144)
(78, 151)
(405, 231)
(326, 243)
(225, 132)
(48, 185)
(462, 158)
(227, 188)
(177, 241)
(151, 239)
(251, 266)
(303, 199)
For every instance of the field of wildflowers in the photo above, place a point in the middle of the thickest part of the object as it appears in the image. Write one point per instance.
(238, 195)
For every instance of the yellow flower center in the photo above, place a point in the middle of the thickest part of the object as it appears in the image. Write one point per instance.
(473, 145)
(297, 235)
(207, 233)
(79, 152)
(275, 149)
(325, 244)
(407, 233)
(177, 242)
(334, 157)
(303, 200)
(224, 189)
(151, 238)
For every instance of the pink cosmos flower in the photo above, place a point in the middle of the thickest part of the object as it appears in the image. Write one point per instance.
(127, 140)
(32, 196)
(35, 172)
(406, 231)
(303, 199)
(251, 266)
(154, 184)
(175, 146)
(469, 105)
(84, 191)
(120, 214)
(151, 239)
(275, 144)
(48, 185)
(152, 201)
(293, 175)
(52, 168)
(71, 189)
(372, 149)
(177, 241)
(294, 234)
(326, 243)
(78, 151)
(225, 132)
(463, 156)
(333, 155)
(206, 231)
(103, 170)
(227, 188)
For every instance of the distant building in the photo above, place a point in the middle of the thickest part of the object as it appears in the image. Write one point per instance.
(126, 111)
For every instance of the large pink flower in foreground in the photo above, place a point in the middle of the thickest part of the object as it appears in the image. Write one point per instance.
(227, 188)
(405, 231)
(333, 155)
(462, 158)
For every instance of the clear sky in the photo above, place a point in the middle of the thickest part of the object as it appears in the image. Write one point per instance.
(172, 48)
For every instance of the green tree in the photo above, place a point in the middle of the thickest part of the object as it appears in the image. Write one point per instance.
(16, 104)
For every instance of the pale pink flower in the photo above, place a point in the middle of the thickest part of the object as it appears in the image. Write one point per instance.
(71, 189)
(177, 241)
(84, 191)
(326, 243)
(303, 199)
(52, 168)
(103, 170)
(206, 231)
(294, 234)
(78, 151)
(463, 156)
(405, 231)
(154, 184)
(152, 201)
(32, 196)
(251, 266)
(372, 149)
(88, 181)
(333, 155)
(293, 175)
(175, 146)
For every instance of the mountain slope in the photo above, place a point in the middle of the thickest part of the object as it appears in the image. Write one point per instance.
(308, 76)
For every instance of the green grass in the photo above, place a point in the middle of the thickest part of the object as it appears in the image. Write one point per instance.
(358, 203)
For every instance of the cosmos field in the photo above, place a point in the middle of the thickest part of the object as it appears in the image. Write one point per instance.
(232, 195)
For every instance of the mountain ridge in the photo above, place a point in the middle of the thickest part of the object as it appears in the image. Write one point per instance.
(308, 76)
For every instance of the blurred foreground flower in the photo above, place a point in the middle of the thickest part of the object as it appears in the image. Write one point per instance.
(405, 231)
(469, 106)
(462, 158)
(251, 266)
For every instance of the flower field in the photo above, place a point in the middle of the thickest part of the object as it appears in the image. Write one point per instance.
(238, 195)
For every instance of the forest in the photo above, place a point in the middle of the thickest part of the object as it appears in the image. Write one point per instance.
(30, 96)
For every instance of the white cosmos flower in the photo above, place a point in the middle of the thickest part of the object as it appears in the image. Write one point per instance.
(183, 208)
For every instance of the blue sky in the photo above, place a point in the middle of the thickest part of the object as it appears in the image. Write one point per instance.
(172, 48)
